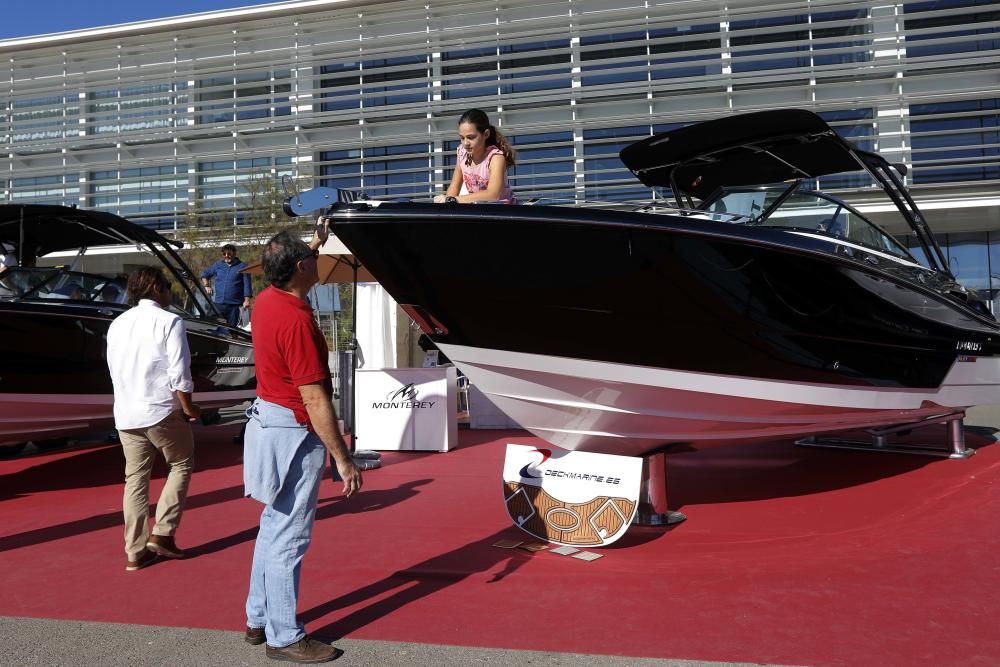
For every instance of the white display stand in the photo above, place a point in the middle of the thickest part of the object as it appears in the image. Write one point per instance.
(410, 409)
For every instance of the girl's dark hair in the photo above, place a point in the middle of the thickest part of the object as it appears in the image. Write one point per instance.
(280, 256)
(143, 281)
(481, 121)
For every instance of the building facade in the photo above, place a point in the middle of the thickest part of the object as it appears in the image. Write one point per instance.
(162, 120)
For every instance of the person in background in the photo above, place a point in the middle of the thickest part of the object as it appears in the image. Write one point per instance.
(292, 424)
(232, 289)
(151, 374)
(483, 158)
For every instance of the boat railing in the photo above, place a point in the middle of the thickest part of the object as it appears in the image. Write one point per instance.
(651, 206)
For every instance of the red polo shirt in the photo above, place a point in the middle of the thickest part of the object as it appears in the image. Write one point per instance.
(289, 350)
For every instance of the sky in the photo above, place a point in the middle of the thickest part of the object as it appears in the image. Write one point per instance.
(22, 18)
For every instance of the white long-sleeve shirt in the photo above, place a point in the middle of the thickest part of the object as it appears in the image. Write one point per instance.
(149, 360)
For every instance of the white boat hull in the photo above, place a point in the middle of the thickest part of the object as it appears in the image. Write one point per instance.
(612, 408)
(33, 417)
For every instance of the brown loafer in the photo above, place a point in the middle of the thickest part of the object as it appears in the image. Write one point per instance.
(141, 560)
(164, 545)
(305, 651)
(254, 636)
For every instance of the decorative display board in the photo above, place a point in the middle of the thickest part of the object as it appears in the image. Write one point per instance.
(571, 498)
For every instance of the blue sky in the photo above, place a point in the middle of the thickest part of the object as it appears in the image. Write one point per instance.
(38, 17)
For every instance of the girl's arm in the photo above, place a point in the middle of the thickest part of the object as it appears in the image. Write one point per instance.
(456, 182)
(454, 188)
(498, 177)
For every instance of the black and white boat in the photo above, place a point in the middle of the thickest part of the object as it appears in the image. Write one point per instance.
(761, 308)
(54, 380)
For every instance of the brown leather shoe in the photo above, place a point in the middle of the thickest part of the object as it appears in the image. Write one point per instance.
(144, 558)
(305, 651)
(164, 545)
(254, 636)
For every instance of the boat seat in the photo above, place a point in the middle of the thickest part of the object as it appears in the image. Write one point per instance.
(835, 226)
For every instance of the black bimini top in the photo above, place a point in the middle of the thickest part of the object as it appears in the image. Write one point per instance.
(44, 228)
(748, 149)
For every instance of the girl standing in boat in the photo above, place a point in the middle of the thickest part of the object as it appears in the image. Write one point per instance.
(483, 158)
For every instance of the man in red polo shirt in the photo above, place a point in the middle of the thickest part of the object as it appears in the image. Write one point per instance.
(292, 424)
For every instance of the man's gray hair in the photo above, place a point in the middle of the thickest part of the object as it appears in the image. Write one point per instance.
(280, 256)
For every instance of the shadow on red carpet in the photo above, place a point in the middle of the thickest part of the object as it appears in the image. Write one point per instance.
(789, 555)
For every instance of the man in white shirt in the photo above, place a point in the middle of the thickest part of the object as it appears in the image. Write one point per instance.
(151, 372)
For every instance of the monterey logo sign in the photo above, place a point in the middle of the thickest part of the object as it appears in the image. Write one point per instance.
(404, 398)
(573, 498)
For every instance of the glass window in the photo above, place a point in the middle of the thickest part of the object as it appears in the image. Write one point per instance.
(398, 80)
(246, 96)
(685, 51)
(341, 91)
(969, 259)
(380, 171)
(469, 72)
(955, 141)
(613, 58)
(58, 189)
(141, 192)
(228, 183)
(605, 177)
(134, 108)
(841, 37)
(544, 165)
(40, 118)
(750, 40)
(535, 66)
(963, 26)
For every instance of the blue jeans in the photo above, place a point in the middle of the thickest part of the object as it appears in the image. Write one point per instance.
(230, 311)
(285, 533)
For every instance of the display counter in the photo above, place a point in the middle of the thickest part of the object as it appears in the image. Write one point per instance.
(410, 409)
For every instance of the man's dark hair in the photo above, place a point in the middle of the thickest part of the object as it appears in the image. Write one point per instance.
(280, 256)
(143, 281)
(229, 246)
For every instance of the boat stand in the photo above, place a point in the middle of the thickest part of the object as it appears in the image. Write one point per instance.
(653, 509)
(880, 439)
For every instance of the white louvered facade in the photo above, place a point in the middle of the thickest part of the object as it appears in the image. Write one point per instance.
(152, 119)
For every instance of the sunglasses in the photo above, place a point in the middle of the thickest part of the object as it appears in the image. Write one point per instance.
(313, 254)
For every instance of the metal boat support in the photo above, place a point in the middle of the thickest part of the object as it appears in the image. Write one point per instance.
(653, 510)
(880, 439)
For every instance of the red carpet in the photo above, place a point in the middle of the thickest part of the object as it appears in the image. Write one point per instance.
(789, 555)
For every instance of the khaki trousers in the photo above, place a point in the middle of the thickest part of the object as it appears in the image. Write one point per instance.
(173, 438)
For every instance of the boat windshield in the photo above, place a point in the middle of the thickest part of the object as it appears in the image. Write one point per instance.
(61, 284)
(786, 206)
(29, 284)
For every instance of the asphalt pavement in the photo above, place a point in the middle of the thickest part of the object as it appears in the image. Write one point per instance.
(34, 641)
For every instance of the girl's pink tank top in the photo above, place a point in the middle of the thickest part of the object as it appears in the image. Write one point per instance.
(477, 176)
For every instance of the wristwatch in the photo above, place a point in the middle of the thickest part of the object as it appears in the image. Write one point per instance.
(450, 199)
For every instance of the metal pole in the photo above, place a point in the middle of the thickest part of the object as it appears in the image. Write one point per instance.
(653, 509)
(354, 354)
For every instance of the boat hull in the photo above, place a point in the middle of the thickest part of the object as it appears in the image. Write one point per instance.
(594, 406)
(55, 381)
(579, 304)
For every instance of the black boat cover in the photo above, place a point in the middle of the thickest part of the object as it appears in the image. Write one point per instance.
(44, 228)
(748, 149)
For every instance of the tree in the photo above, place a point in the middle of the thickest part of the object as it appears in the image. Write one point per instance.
(257, 217)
